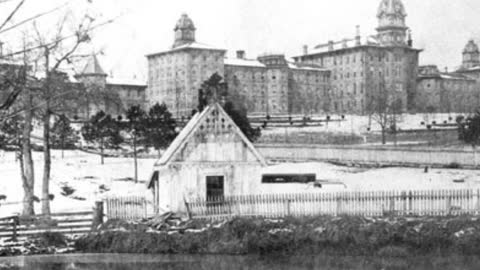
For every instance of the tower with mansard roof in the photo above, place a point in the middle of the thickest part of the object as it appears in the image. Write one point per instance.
(392, 28)
(184, 31)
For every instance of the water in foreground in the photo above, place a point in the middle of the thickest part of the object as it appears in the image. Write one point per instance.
(200, 262)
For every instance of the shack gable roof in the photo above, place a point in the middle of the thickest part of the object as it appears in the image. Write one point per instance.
(198, 123)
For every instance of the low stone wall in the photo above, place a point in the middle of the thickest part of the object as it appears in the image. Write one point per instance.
(369, 155)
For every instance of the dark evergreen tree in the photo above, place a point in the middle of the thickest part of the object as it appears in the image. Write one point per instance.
(469, 129)
(160, 127)
(63, 135)
(239, 116)
(215, 90)
(103, 130)
(11, 133)
(212, 90)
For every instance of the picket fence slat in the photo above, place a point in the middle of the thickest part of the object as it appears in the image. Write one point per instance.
(368, 203)
(127, 208)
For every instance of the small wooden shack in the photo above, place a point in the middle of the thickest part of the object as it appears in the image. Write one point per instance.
(209, 159)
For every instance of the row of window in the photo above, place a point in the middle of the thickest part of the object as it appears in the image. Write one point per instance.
(348, 105)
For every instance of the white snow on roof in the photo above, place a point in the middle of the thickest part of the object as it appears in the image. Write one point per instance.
(243, 62)
(192, 45)
(344, 44)
(311, 68)
(474, 68)
(454, 77)
(123, 81)
(196, 45)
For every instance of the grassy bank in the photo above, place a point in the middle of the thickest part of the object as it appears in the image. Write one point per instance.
(353, 236)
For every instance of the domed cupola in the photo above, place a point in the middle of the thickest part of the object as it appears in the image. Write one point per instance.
(184, 31)
(391, 16)
(471, 55)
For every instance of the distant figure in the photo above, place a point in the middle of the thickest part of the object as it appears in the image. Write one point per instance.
(426, 169)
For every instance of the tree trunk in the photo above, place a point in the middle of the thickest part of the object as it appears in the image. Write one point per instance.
(101, 152)
(384, 136)
(26, 161)
(47, 163)
(135, 157)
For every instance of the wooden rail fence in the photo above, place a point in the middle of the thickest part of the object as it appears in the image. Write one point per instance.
(419, 156)
(126, 208)
(66, 223)
(396, 203)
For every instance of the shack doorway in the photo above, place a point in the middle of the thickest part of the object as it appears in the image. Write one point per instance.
(215, 188)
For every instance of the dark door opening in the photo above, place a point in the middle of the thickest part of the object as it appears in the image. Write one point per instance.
(215, 188)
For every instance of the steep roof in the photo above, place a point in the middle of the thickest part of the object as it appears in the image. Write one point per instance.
(93, 67)
(197, 123)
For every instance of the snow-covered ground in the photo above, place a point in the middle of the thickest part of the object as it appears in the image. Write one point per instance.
(340, 178)
(79, 171)
(90, 181)
(360, 124)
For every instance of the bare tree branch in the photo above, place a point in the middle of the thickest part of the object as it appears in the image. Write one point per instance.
(91, 29)
(32, 18)
(9, 18)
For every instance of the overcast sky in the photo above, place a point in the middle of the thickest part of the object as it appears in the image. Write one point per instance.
(440, 27)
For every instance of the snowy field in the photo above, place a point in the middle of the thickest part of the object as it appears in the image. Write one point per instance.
(79, 173)
(338, 178)
(360, 124)
(90, 181)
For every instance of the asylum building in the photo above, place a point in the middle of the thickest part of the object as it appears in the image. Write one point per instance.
(268, 85)
(451, 92)
(362, 67)
(103, 93)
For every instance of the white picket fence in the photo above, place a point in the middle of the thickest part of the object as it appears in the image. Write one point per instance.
(125, 208)
(371, 204)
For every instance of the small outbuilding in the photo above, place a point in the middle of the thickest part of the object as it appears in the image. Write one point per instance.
(210, 158)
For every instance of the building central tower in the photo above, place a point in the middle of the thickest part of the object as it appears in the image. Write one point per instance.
(392, 30)
(184, 31)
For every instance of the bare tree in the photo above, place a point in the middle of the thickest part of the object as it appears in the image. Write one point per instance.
(385, 108)
(57, 51)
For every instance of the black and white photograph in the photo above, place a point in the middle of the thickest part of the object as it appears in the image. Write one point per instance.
(239, 135)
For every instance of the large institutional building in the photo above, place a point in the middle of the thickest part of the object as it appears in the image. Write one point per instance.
(341, 77)
(364, 67)
(104, 93)
(449, 92)
(268, 85)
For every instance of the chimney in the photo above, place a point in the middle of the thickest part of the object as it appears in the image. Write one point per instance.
(330, 45)
(241, 54)
(410, 40)
(305, 49)
(344, 43)
(357, 36)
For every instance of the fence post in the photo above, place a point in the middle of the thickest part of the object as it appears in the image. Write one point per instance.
(449, 204)
(404, 199)
(97, 215)
(392, 203)
(478, 202)
(287, 204)
(410, 203)
(187, 207)
(339, 204)
(16, 222)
